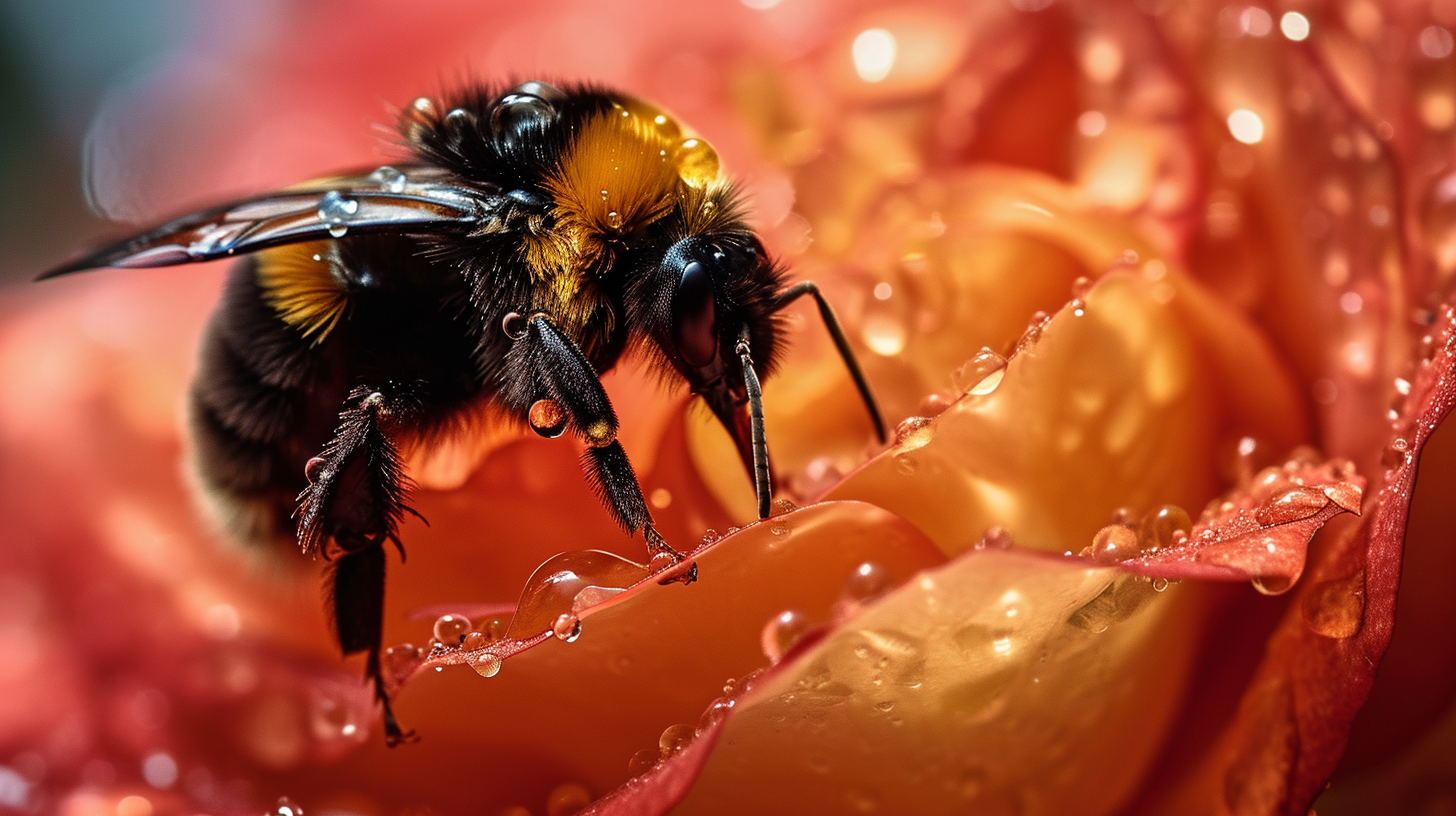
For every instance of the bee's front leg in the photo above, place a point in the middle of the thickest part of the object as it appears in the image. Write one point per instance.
(545, 364)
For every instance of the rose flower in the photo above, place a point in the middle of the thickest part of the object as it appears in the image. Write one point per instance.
(1156, 294)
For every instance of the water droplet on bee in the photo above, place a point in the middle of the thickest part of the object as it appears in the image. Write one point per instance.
(614, 220)
(980, 374)
(313, 469)
(675, 738)
(867, 582)
(517, 114)
(1160, 584)
(547, 418)
(1157, 529)
(566, 799)
(335, 211)
(697, 162)
(643, 761)
(781, 633)
(389, 179)
(914, 432)
(286, 807)
(1114, 543)
(451, 629)
(567, 627)
(486, 664)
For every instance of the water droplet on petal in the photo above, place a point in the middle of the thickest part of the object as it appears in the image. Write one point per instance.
(486, 664)
(996, 538)
(1272, 584)
(567, 627)
(867, 582)
(566, 799)
(451, 629)
(286, 807)
(662, 561)
(1292, 505)
(1114, 543)
(781, 632)
(675, 738)
(914, 432)
(643, 761)
(714, 713)
(1160, 584)
(1157, 529)
(980, 374)
(553, 588)
(547, 418)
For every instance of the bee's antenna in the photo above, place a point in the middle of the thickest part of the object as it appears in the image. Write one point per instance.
(761, 479)
(831, 322)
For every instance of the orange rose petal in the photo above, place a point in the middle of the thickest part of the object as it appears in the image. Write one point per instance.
(1260, 532)
(1003, 681)
(1078, 426)
(651, 656)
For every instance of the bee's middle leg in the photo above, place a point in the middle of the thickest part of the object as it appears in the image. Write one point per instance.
(548, 365)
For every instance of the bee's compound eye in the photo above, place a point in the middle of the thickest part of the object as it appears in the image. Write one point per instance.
(694, 316)
(517, 114)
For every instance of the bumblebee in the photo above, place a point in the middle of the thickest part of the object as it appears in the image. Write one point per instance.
(533, 236)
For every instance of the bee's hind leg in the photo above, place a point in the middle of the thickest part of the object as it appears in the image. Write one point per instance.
(546, 364)
(356, 497)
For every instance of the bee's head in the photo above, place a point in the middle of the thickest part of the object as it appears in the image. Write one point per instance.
(714, 301)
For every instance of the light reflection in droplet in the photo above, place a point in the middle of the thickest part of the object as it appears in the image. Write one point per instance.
(1246, 126)
(874, 54)
(1436, 42)
(1255, 22)
(1091, 123)
(1294, 26)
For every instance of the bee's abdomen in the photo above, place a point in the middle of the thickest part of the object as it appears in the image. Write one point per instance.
(249, 407)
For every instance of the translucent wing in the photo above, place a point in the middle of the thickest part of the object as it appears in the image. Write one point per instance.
(410, 199)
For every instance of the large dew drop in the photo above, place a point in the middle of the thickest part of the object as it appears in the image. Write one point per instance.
(980, 374)
(486, 664)
(451, 629)
(1292, 505)
(781, 633)
(553, 588)
(1165, 527)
